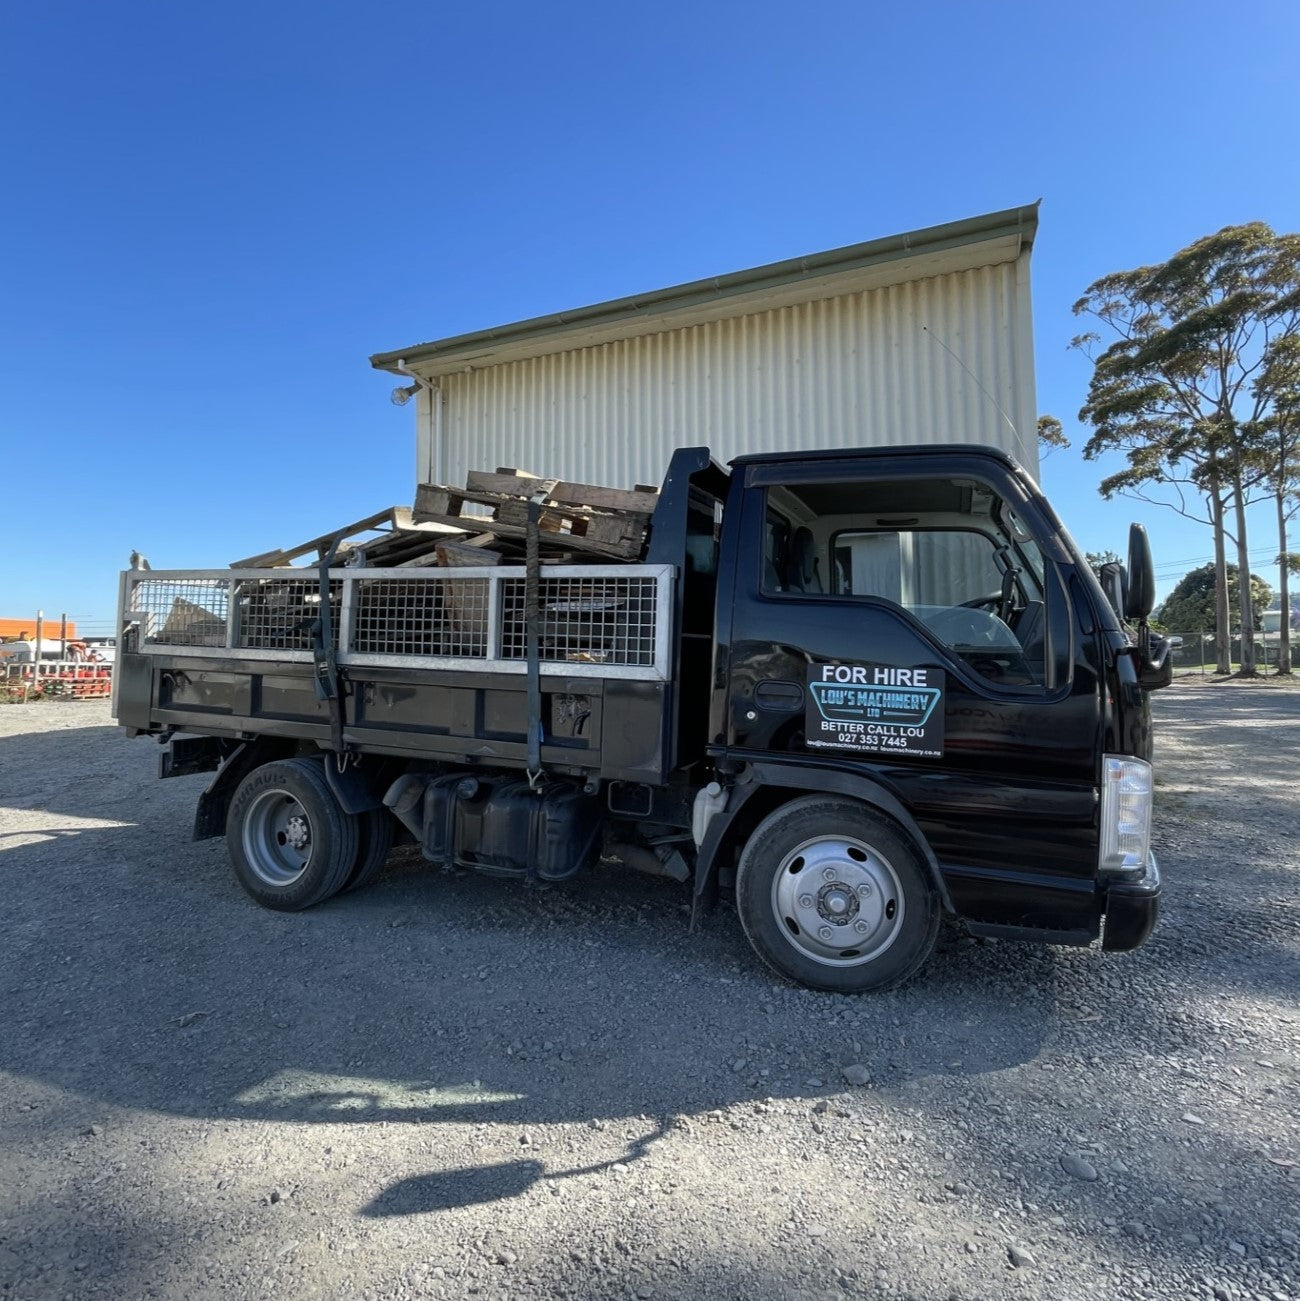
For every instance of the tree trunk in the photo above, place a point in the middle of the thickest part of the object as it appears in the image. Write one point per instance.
(1284, 592)
(1248, 662)
(1222, 628)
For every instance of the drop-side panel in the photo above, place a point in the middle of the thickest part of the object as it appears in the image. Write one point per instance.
(615, 729)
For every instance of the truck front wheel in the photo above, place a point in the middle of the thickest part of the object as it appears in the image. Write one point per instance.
(290, 844)
(835, 897)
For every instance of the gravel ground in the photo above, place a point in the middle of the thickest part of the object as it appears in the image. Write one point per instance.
(451, 1086)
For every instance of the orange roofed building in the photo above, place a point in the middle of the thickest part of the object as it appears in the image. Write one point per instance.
(13, 629)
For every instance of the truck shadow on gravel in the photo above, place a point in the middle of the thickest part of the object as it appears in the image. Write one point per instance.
(137, 975)
(137, 978)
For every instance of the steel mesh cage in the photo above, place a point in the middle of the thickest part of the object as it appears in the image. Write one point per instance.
(415, 616)
(604, 620)
(594, 620)
(181, 612)
(280, 613)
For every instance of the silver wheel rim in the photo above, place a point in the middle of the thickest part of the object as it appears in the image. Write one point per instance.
(277, 838)
(838, 901)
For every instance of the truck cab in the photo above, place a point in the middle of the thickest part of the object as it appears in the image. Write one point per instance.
(912, 636)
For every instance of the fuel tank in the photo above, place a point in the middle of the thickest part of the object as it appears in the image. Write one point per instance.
(505, 827)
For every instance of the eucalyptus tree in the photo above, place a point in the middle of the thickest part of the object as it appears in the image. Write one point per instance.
(1182, 387)
(1278, 446)
(1051, 437)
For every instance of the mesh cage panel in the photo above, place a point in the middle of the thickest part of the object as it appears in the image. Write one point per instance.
(416, 616)
(584, 620)
(181, 612)
(590, 620)
(278, 613)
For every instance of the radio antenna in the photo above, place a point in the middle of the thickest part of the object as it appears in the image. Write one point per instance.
(1011, 424)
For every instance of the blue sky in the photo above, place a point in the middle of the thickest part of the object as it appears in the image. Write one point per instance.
(213, 215)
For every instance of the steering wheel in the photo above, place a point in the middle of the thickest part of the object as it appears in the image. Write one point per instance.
(993, 604)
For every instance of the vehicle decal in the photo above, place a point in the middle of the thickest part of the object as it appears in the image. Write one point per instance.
(877, 708)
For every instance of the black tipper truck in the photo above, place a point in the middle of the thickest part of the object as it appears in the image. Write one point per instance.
(857, 690)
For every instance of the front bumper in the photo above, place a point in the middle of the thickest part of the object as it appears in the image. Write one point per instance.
(1132, 908)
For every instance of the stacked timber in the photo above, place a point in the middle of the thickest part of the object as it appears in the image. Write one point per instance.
(486, 523)
(581, 521)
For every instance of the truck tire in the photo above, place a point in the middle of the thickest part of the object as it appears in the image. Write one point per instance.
(834, 896)
(374, 843)
(290, 844)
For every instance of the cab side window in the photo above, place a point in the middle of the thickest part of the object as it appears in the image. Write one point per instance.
(949, 552)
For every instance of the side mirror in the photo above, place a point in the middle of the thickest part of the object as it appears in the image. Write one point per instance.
(1141, 594)
(1157, 667)
(1114, 582)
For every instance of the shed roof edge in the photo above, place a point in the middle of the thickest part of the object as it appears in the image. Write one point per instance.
(545, 334)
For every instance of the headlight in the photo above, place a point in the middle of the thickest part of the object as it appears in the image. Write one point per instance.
(1126, 788)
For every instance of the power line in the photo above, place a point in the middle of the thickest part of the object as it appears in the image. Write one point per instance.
(1265, 558)
(1193, 560)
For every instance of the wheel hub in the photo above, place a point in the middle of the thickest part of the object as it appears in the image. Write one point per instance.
(837, 903)
(277, 838)
(838, 900)
(297, 832)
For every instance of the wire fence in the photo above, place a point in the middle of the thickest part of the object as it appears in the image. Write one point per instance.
(1195, 653)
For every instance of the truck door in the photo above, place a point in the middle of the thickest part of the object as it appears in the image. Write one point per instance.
(905, 618)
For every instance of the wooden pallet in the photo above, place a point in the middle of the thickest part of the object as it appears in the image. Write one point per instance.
(578, 521)
(610, 522)
(638, 501)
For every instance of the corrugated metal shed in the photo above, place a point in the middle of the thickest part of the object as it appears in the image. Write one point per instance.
(917, 338)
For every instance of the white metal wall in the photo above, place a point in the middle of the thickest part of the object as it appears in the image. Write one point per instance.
(863, 369)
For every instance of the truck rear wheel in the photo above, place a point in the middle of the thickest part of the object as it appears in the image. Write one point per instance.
(374, 843)
(835, 897)
(290, 844)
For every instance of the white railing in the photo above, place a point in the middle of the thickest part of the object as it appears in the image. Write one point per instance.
(595, 620)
